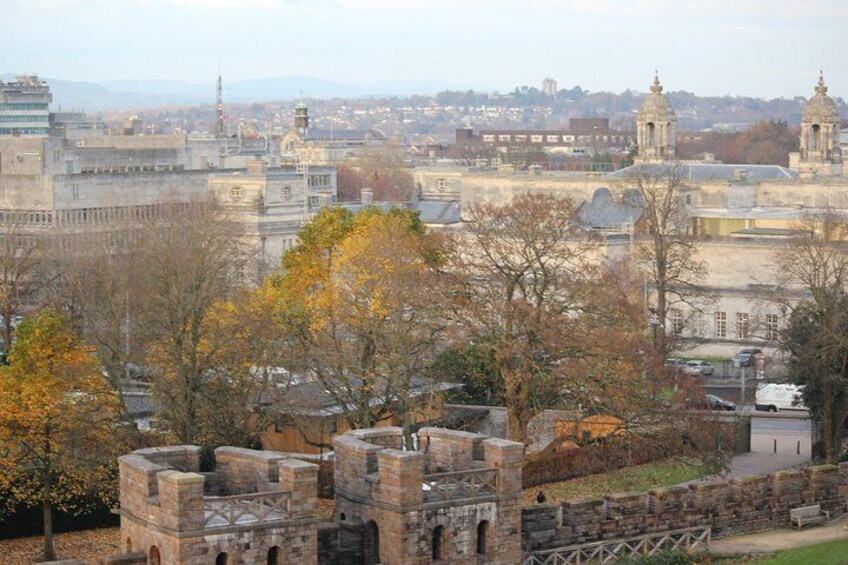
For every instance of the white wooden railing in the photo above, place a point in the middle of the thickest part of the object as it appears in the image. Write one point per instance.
(460, 484)
(245, 508)
(689, 540)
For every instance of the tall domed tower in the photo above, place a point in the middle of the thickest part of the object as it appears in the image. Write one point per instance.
(820, 154)
(655, 127)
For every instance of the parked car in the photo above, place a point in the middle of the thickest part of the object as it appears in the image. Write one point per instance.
(698, 367)
(674, 366)
(746, 357)
(717, 403)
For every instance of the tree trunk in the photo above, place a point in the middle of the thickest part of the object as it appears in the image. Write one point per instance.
(827, 421)
(47, 511)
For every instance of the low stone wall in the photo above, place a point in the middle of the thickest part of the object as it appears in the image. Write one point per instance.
(740, 505)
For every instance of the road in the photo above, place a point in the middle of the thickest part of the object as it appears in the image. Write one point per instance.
(785, 435)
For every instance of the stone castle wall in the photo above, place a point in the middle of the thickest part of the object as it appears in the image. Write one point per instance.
(740, 505)
(455, 498)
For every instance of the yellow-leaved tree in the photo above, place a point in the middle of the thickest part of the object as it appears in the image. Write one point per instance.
(57, 418)
(360, 303)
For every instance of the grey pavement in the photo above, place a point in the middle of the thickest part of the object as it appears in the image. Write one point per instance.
(777, 540)
(757, 464)
(762, 463)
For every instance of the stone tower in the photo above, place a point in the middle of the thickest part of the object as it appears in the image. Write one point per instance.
(301, 118)
(655, 127)
(820, 154)
(456, 499)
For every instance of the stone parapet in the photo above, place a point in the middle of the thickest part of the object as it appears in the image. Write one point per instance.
(740, 505)
(449, 450)
(165, 512)
(243, 471)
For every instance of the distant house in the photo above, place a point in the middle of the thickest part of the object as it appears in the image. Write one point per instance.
(307, 416)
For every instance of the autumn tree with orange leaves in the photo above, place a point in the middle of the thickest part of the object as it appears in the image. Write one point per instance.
(57, 419)
(361, 302)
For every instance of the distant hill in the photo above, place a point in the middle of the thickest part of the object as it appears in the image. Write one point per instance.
(139, 94)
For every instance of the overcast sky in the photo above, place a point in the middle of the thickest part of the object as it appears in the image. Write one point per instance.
(710, 47)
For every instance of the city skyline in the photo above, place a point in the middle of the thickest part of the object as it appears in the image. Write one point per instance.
(756, 48)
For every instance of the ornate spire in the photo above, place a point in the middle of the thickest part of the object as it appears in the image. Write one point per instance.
(656, 87)
(821, 88)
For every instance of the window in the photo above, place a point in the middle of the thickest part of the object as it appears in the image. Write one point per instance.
(222, 559)
(274, 556)
(503, 138)
(742, 325)
(438, 534)
(372, 546)
(482, 537)
(536, 138)
(441, 184)
(488, 138)
(553, 139)
(287, 194)
(520, 138)
(154, 556)
(236, 193)
(721, 324)
(676, 321)
(772, 329)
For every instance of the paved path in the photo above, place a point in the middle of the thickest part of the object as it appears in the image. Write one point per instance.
(757, 464)
(762, 463)
(773, 540)
(777, 540)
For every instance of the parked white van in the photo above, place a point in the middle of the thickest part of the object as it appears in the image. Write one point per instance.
(772, 397)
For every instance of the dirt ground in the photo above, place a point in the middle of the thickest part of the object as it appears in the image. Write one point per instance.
(88, 544)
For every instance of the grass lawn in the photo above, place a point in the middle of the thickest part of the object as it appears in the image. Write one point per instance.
(830, 553)
(640, 478)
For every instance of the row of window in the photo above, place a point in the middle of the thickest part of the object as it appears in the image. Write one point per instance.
(319, 180)
(437, 541)
(275, 556)
(539, 138)
(22, 106)
(742, 329)
(130, 169)
(18, 118)
(24, 131)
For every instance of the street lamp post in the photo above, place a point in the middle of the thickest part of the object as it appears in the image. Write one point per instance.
(654, 321)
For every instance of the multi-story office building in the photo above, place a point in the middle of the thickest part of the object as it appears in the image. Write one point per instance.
(25, 107)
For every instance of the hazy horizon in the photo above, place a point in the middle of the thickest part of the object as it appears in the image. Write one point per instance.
(759, 48)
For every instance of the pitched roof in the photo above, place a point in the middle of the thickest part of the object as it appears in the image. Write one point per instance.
(438, 211)
(712, 171)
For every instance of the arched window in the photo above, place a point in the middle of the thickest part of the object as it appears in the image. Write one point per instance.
(154, 556)
(222, 559)
(815, 138)
(372, 548)
(650, 134)
(274, 557)
(129, 545)
(482, 537)
(438, 535)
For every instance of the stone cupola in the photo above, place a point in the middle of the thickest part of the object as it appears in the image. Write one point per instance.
(820, 154)
(655, 127)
